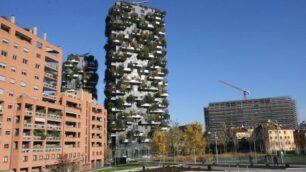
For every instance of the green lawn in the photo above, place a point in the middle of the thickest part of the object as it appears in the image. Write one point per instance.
(121, 167)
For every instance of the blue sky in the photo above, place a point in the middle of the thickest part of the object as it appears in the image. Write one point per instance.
(259, 45)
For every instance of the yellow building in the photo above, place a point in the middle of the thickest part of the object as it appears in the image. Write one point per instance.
(271, 138)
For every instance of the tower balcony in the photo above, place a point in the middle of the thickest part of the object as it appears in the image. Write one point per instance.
(49, 85)
(52, 66)
(49, 96)
(116, 110)
(158, 111)
(50, 76)
(146, 105)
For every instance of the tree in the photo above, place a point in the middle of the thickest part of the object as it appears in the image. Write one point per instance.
(194, 140)
(175, 136)
(160, 142)
(63, 165)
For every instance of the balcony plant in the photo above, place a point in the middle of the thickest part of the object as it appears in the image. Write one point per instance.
(40, 133)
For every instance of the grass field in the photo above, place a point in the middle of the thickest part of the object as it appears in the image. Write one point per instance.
(121, 167)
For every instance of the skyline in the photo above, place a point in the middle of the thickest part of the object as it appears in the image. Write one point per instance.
(273, 41)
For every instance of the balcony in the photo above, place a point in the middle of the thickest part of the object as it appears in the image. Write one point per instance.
(41, 149)
(28, 113)
(27, 125)
(146, 105)
(39, 126)
(36, 138)
(127, 70)
(48, 96)
(26, 150)
(162, 33)
(40, 114)
(158, 111)
(116, 110)
(52, 66)
(127, 104)
(54, 117)
(136, 116)
(50, 76)
(54, 127)
(26, 138)
(50, 86)
(51, 138)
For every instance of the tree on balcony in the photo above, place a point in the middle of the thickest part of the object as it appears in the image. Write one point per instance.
(130, 99)
(40, 133)
(119, 103)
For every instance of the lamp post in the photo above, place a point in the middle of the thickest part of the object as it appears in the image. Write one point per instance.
(279, 143)
(216, 147)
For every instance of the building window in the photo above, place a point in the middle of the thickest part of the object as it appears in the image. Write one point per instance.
(16, 45)
(6, 146)
(3, 53)
(24, 61)
(2, 78)
(10, 106)
(36, 77)
(5, 41)
(37, 66)
(25, 50)
(11, 93)
(34, 157)
(13, 69)
(7, 132)
(47, 157)
(35, 87)
(38, 55)
(25, 158)
(5, 159)
(8, 119)
(14, 57)
(2, 65)
(23, 84)
(1, 91)
(41, 157)
(24, 73)
(12, 81)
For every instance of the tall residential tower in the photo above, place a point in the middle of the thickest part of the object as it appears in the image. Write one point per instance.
(80, 72)
(135, 78)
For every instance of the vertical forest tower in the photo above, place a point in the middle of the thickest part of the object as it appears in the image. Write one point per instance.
(135, 77)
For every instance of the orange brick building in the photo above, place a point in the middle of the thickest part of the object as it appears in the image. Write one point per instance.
(38, 123)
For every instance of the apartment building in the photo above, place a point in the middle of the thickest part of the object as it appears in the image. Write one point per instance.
(272, 137)
(135, 77)
(36, 119)
(250, 113)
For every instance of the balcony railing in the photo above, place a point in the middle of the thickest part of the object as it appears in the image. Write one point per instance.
(28, 113)
(39, 126)
(26, 138)
(48, 96)
(54, 67)
(27, 125)
(55, 117)
(53, 138)
(49, 85)
(40, 114)
(49, 75)
(56, 127)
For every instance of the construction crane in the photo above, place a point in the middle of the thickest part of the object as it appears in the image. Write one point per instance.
(140, 2)
(244, 91)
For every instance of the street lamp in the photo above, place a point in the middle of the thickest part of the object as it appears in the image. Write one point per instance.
(216, 147)
(279, 143)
